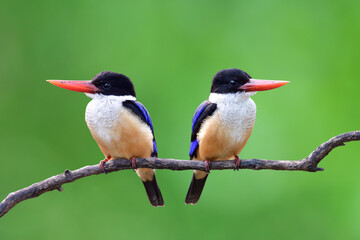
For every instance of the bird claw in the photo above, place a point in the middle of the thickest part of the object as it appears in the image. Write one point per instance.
(102, 162)
(237, 163)
(133, 163)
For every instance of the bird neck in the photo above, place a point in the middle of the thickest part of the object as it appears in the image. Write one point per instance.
(100, 96)
(238, 97)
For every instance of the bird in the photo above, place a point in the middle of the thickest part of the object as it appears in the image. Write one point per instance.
(222, 124)
(120, 125)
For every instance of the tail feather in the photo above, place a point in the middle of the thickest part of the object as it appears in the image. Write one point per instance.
(153, 192)
(195, 190)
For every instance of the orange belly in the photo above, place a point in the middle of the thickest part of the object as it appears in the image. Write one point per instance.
(129, 138)
(217, 142)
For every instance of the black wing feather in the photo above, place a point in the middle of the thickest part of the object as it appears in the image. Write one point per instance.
(205, 110)
(139, 110)
(129, 104)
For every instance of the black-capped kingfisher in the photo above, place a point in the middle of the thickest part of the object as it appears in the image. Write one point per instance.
(222, 125)
(120, 124)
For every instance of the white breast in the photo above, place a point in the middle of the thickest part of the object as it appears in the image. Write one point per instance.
(103, 114)
(236, 112)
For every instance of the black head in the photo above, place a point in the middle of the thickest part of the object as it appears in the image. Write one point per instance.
(111, 83)
(229, 81)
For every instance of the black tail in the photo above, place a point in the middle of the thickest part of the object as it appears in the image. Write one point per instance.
(195, 190)
(153, 192)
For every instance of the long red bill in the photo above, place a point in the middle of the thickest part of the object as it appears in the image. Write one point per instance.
(262, 85)
(74, 85)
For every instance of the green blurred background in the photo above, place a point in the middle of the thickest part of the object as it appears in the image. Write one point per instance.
(171, 50)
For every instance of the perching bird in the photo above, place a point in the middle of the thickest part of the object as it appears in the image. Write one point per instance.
(222, 125)
(120, 124)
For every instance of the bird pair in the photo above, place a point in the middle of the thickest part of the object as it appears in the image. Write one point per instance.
(122, 126)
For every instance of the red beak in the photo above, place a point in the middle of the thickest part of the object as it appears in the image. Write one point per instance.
(77, 86)
(262, 85)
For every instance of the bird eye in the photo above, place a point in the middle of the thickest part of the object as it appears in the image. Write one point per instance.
(106, 85)
(233, 83)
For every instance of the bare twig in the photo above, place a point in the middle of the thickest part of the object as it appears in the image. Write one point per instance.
(307, 164)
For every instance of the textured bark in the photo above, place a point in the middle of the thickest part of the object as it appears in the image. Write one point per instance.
(309, 164)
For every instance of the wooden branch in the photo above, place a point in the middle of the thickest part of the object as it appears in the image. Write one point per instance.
(307, 164)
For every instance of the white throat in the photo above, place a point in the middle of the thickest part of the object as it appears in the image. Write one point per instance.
(230, 97)
(110, 97)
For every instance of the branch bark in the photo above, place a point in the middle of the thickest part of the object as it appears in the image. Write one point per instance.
(309, 164)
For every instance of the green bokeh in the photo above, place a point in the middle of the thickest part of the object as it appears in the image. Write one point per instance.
(171, 50)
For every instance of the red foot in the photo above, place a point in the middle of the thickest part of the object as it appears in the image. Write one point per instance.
(237, 163)
(207, 166)
(101, 164)
(133, 163)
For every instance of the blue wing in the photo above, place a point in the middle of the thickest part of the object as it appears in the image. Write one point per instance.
(144, 115)
(204, 110)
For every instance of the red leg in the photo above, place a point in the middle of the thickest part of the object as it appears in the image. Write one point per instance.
(133, 163)
(207, 166)
(101, 164)
(237, 163)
